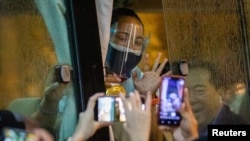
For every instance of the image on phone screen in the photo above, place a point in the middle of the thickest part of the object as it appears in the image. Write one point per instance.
(171, 98)
(106, 108)
(15, 134)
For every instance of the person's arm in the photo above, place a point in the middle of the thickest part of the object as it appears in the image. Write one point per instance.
(47, 114)
(138, 121)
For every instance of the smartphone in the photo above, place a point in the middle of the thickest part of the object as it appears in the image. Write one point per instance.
(63, 73)
(110, 109)
(16, 134)
(171, 98)
(184, 67)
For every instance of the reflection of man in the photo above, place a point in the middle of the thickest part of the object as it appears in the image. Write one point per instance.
(203, 82)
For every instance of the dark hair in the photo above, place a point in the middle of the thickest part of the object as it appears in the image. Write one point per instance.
(120, 12)
(8, 119)
(216, 76)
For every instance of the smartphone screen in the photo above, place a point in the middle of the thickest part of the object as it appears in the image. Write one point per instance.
(15, 134)
(106, 108)
(171, 98)
(110, 109)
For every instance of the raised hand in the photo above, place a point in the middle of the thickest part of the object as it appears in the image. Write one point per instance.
(47, 113)
(151, 79)
(138, 120)
(54, 88)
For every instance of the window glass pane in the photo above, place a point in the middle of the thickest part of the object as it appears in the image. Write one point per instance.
(27, 51)
(210, 31)
(33, 39)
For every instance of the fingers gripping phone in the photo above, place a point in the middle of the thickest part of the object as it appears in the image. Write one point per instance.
(171, 98)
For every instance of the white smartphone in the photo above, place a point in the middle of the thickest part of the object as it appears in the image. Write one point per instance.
(110, 109)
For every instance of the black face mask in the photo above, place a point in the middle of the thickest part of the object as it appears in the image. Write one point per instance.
(121, 61)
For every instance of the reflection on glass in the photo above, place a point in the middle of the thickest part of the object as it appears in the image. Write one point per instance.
(27, 51)
(211, 32)
(31, 44)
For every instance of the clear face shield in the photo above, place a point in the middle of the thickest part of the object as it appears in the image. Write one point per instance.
(126, 47)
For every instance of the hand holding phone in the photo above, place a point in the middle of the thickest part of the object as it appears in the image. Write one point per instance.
(171, 98)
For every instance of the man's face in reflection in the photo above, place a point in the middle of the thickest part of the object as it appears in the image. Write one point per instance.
(204, 98)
